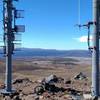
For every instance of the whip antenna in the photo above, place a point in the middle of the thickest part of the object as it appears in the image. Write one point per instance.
(79, 14)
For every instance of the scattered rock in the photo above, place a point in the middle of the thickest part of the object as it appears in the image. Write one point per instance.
(68, 82)
(21, 80)
(87, 96)
(51, 79)
(7, 98)
(41, 97)
(80, 76)
(36, 98)
(2, 86)
(39, 90)
(16, 98)
(60, 79)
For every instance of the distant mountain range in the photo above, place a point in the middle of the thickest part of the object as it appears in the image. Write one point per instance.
(31, 52)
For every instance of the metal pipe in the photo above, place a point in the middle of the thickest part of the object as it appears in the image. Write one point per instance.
(8, 81)
(95, 53)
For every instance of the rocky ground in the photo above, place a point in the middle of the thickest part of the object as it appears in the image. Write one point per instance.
(61, 89)
(72, 79)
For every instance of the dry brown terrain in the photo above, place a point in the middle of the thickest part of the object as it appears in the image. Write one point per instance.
(38, 68)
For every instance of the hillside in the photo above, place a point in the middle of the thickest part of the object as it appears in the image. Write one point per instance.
(27, 52)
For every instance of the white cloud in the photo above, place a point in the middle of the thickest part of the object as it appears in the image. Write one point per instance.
(83, 39)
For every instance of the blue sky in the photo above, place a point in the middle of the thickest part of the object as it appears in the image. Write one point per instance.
(50, 24)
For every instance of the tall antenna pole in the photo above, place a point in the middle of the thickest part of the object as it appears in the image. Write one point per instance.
(8, 44)
(95, 48)
(10, 14)
(95, 53)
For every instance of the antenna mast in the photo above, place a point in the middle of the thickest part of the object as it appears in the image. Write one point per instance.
(95, 48)
(10, 14)
(95, 53)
